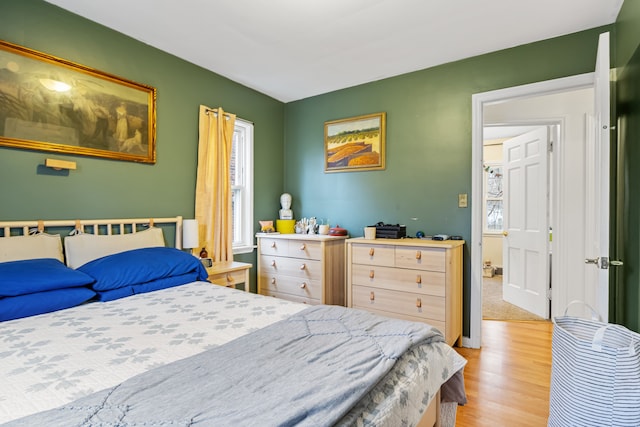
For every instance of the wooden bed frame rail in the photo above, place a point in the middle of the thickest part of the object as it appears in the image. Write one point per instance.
(93, 226)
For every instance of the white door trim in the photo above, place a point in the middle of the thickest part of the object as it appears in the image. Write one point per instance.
(602, 155)
(478, 102)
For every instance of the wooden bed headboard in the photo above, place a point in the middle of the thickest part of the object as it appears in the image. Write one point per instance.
(92, 226)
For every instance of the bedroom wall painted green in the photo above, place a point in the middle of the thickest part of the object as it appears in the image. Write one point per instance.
(429, 135)
(114, 189)
(428, 140)
(627, 247)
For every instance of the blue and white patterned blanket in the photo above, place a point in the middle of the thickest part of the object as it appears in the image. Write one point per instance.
(50, 360)
(307, 370)
(55, 358)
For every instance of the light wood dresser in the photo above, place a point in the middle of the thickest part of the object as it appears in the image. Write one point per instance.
(306, 268)
(413, 279)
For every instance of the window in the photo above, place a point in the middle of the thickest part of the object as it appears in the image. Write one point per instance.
(493, 198)
(242, 186)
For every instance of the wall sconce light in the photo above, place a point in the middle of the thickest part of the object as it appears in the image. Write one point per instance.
(190, 235)
(59, 164)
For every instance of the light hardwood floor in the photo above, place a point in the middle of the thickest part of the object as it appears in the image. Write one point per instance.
(507, 380)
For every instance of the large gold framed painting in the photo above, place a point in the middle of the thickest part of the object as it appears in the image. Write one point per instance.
(51, 104)
(355, 144)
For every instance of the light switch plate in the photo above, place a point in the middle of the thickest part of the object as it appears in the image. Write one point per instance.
(462, 200)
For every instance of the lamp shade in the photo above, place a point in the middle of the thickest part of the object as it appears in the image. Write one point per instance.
(190, 236)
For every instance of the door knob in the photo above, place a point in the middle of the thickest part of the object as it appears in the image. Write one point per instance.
(505, 233)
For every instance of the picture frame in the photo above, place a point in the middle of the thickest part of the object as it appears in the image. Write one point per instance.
(355, 144)
(51, 104)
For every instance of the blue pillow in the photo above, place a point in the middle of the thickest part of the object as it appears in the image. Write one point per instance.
(138, 266)
(37, 275)
(42, 302)
(165, 282)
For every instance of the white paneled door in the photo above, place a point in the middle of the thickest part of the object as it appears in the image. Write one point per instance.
(526, 222)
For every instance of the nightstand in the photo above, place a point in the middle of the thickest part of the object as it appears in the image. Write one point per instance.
(230, 273)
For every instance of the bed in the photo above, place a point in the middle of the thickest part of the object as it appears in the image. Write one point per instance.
(133, 334)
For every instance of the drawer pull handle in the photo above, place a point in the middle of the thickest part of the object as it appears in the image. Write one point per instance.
(371, 274)
(419, 303)
(273, 244)
(303, 266)
(229, 278)
(303, 247)
(303, 285)
(372, 296)
(419, 279)
(273, 263)
(273, 280)
(418, 255)
(371, 251)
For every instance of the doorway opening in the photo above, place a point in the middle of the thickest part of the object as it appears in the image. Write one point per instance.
(513, 106)
(507, 290)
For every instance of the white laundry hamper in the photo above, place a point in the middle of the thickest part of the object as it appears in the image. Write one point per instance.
(595, 374)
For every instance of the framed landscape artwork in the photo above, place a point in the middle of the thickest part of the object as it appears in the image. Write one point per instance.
(51, 104)
(355, 144)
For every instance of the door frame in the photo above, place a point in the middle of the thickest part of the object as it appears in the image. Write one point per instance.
(478, 102)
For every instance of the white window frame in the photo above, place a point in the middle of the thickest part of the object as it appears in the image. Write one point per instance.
(243, 223)
(486, 198)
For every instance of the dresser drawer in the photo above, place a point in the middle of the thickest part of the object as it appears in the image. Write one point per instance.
(373, 255)
(283, 266)
(406, 303)
(295, 298)
(417, 281)
(293, 286)
(274, 246)
(230, 278)
(305, 249)
(433, 259)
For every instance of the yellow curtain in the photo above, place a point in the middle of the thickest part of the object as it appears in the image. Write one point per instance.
(213, 183)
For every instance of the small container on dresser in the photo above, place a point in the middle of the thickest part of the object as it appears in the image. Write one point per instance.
(413, 279)
(306, 268)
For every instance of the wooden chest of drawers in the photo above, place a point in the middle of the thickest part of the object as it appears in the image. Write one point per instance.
(419, 280)
(303, 268)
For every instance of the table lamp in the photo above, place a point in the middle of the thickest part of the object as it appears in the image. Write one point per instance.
(190, 235)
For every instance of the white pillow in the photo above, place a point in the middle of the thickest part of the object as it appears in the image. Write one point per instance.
(82, 248)
(41, 245)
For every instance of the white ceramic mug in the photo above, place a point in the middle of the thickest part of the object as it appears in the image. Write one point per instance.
(370, 233)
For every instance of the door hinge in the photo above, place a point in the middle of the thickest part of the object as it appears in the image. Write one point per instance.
(605, 263)
(549, 294)
(551, 146)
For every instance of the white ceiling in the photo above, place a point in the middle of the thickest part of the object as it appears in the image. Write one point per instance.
(294, 49)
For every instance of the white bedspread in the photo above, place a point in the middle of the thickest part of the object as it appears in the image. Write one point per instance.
(53, 359)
